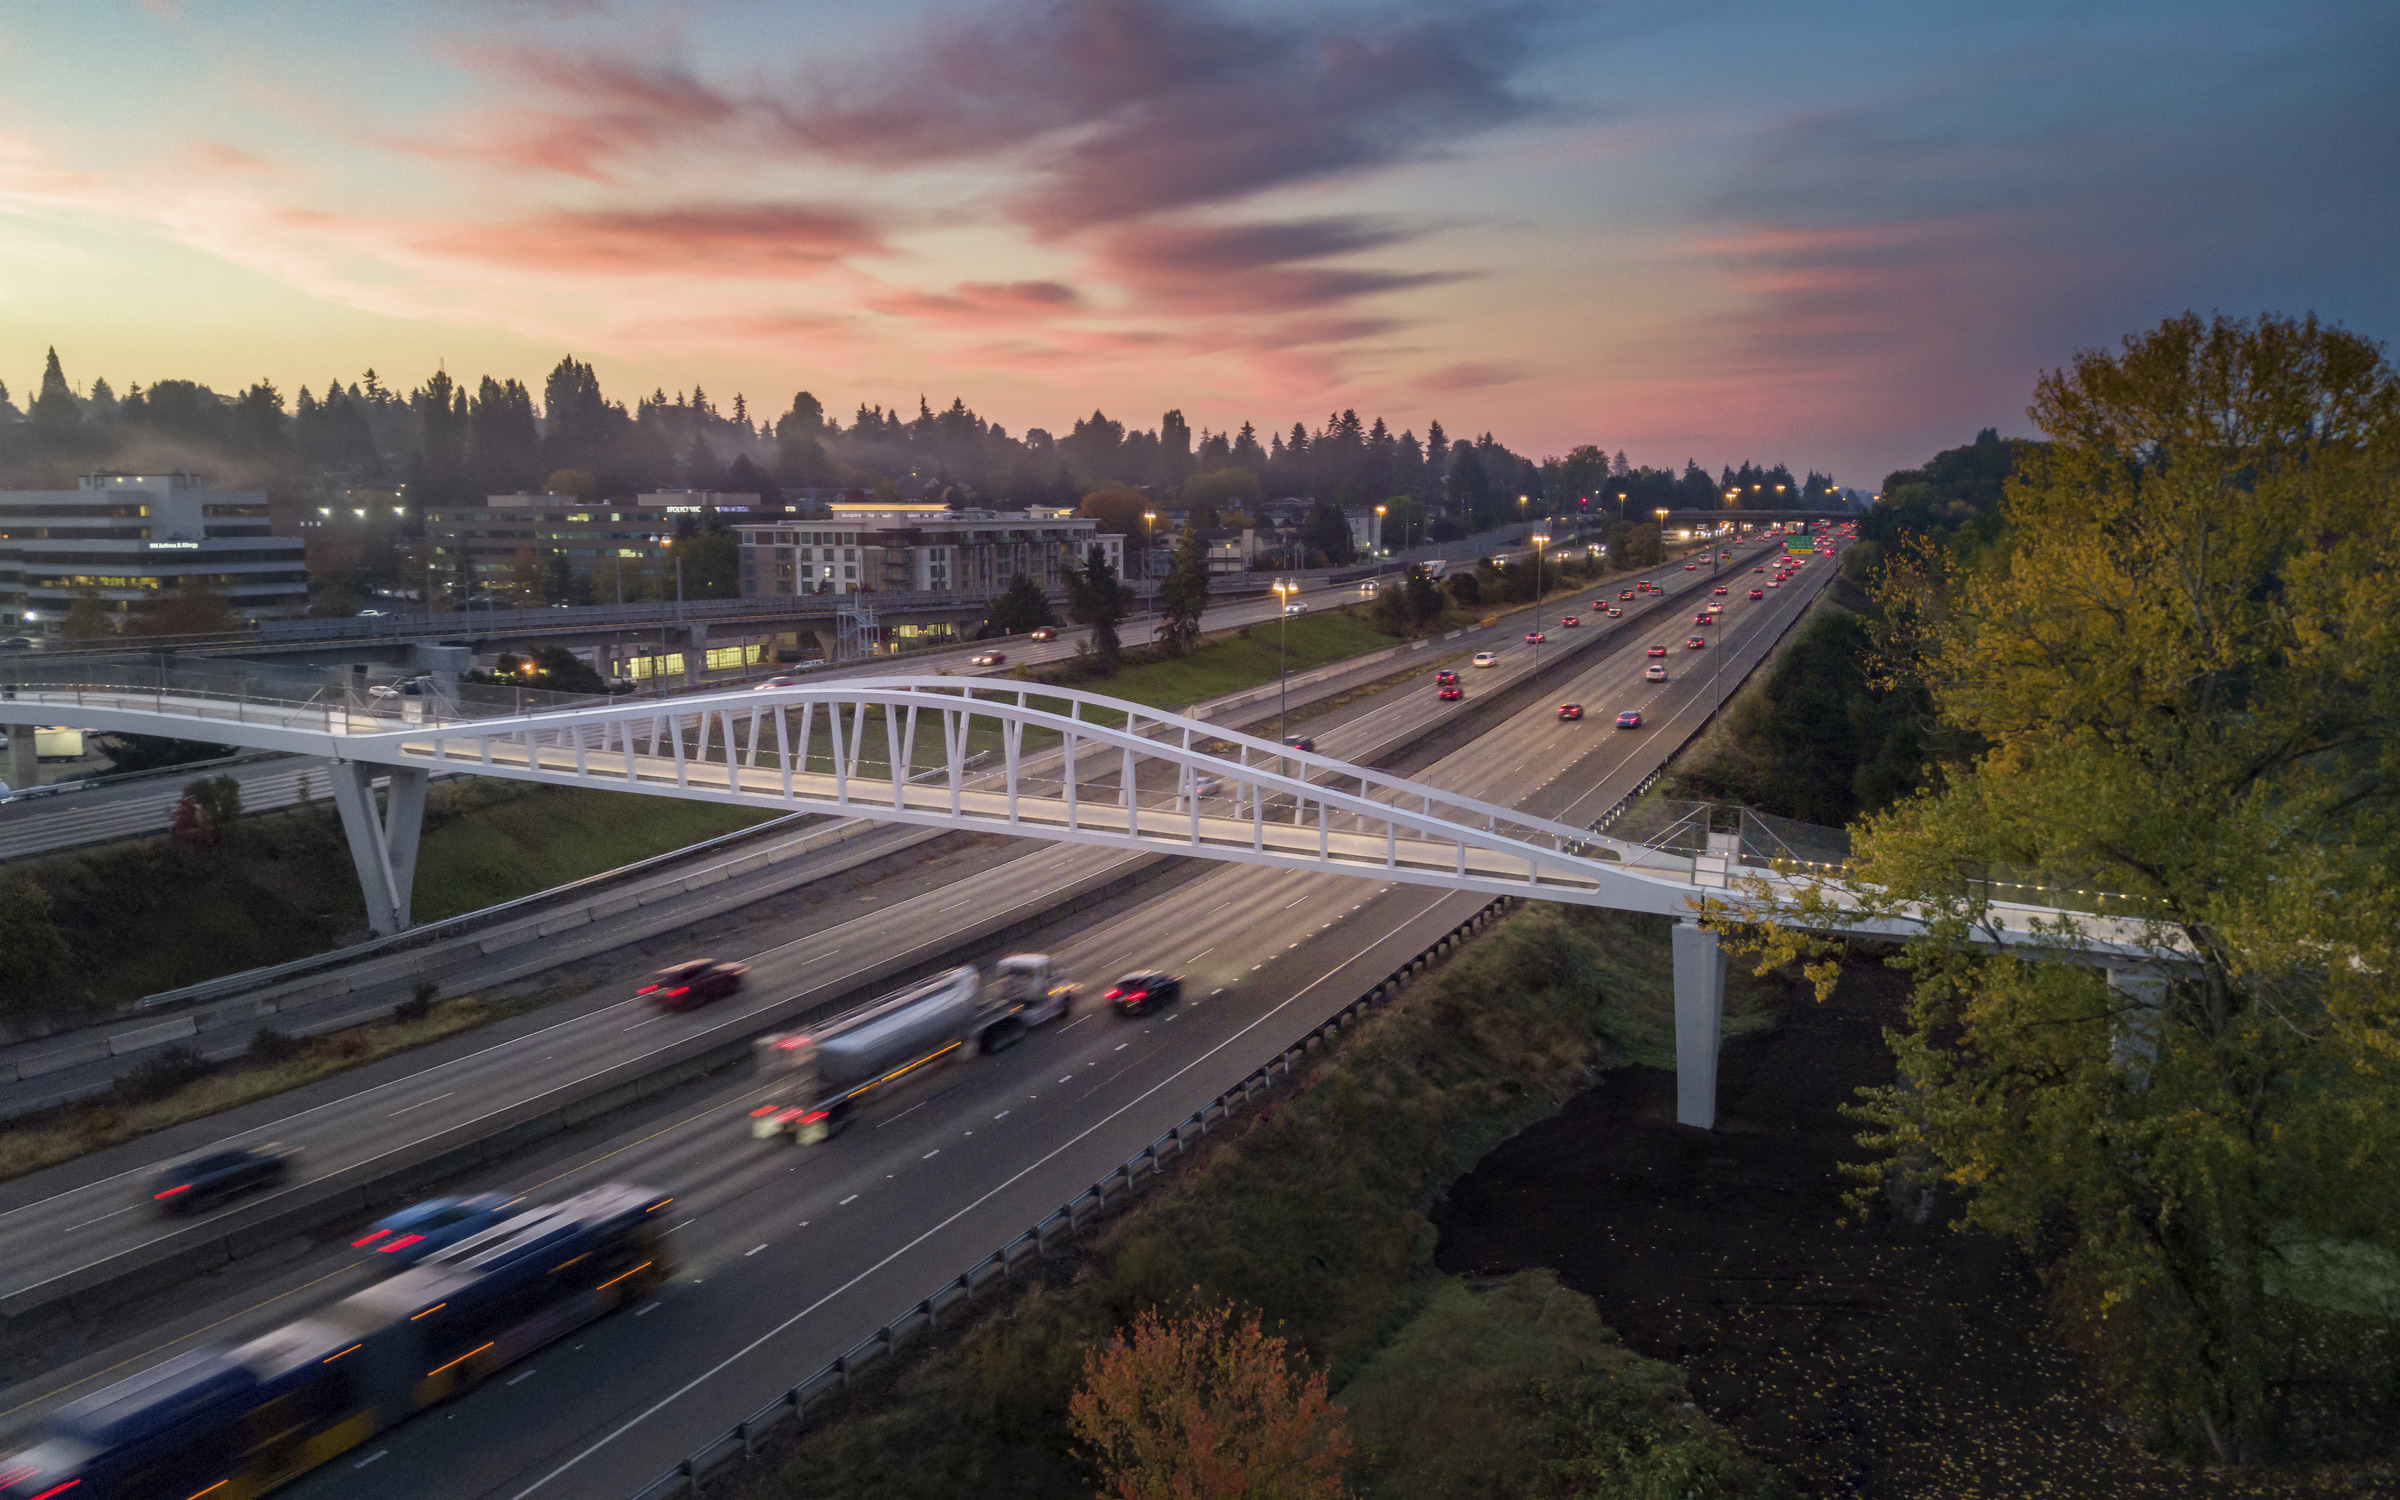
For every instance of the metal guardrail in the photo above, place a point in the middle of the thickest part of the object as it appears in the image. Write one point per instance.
(741, 1440)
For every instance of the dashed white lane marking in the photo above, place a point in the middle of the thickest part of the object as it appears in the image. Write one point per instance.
(1001, 1116)
(930, 1155)
(370, 1458)
(1121, 1046)
(686, 1223)
(529, 1374)
(646, 1309)
(853, 1198)
(753, 1250)
(71, 1228)
(1070, 1078)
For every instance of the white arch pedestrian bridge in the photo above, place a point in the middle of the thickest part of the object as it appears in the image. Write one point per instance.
(970, 753)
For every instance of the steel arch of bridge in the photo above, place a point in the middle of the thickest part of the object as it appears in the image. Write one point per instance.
(999, 755)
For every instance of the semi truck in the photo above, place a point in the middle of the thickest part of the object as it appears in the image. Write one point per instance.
(818, 1078)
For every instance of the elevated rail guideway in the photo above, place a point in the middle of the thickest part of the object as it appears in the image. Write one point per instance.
(970, 754)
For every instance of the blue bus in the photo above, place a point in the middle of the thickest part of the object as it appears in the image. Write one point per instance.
(231, 1424)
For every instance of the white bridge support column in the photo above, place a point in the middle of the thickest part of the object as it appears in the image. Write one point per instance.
(2134, 1046)
(383, 845)
(1699, 1021)
(22, 766)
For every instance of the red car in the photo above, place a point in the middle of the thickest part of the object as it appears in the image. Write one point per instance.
(1445, 678)
(1758, 593)
(1534, 637)
(694, 983)
(1451, 694)
(1658, 650)
(1570, 710)
(1044, 633)
(1570, 621)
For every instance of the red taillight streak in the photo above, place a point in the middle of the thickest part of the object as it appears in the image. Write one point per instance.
(57, 1489)
(1137, 996)
(169, 1193)
(401, 1243)
(369, 1240)
(764, 1109)
(645, 989)
(678, 992)
(814, 1117)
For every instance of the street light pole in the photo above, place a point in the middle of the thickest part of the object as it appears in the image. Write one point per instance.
(1283, 674)
(1539, 541)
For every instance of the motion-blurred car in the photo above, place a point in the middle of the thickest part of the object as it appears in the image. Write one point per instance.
(1688, 567)
(987, 658)
(1694, 644)
(414, 1233)
(1703, 618)
(1487, 658)
(1445, 678)
(1295, 609)
(1616, 614)
(187, 1187)
(1450, 694)
(1144, 990)
(1720, 590)
(1654, 673)
(1300, 742)
(1570, 621)
(1774, 583)
(1570, 710)
(1630, 719)
(779, 680)
(695, 982)
(1624, 593)
(1534, 637)
(1043, 633)
(17, 643)
(1758, 593)
(1658, 651)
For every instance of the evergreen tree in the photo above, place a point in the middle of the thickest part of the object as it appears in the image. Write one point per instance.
(1021, 607)
(56, 412)
(1098, 598)
(1183, 598)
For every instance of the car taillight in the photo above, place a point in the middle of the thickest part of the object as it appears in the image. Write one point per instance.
(183, 1187)
(678, 992)
(815, 1117)
(369, 1240)
(1137, 996)
(401, 1243)
(1112, 994)
(646, 989)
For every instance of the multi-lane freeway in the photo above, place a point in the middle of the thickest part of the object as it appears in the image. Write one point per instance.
(788, 1255)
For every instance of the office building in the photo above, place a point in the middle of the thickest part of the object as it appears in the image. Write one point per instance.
(131, 539)
(494, 541)
(917, 549)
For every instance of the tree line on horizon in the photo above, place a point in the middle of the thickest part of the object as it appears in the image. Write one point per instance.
(447, 441)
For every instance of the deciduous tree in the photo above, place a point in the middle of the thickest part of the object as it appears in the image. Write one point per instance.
(1207, 1405)
(2181, 656)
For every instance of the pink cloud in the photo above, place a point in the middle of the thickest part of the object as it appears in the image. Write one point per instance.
(772, 241)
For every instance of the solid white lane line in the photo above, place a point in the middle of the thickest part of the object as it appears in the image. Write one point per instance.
(1069, 1144)
(420, 1104)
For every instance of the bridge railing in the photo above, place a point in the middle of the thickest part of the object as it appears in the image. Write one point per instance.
(247, 693)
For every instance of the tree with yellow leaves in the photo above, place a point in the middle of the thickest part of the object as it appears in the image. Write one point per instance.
(2180, 664)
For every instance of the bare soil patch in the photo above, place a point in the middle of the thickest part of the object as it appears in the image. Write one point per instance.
(1880, 1359)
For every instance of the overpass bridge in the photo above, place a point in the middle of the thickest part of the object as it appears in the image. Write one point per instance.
(1009, 758)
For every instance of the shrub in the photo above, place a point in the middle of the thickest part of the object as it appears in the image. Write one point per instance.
(419, 1004)
(269, 1047)
(162, 1073)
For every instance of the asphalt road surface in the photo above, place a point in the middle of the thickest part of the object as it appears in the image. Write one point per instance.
(790, 1255)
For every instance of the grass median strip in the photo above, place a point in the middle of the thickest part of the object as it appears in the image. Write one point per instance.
(177, 1084)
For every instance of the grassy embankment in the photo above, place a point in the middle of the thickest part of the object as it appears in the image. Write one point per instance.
(148, 916)
(1314, 1211)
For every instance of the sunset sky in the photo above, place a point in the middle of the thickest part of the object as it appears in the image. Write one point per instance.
(1838, 236)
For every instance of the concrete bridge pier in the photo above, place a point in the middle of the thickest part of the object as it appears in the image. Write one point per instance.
(22, 766)
(1699, 1022)
(383, 842)
(695, 654)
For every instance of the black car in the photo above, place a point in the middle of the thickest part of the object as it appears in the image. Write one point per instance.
(190, 1186)
(1144, 990)
(1301, 742)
